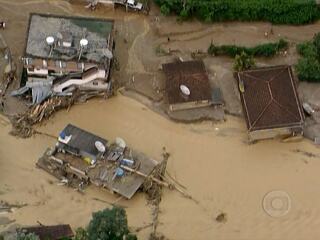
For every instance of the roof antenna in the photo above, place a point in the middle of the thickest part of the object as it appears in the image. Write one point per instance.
(83, 45)
(50, 42)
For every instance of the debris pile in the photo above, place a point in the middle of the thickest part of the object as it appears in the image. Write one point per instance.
(23, 123)
(80, 158)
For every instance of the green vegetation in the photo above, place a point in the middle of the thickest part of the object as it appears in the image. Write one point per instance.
(308, 67)
(275, 11)
(108, 224)
(262, 50)
(243, 61)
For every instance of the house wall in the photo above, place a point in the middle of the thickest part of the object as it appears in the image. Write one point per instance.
(189, 105)
(37, 71)
(273, 133)
(57, 65)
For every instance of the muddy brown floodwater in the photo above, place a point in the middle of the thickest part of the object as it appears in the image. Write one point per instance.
(220, 170)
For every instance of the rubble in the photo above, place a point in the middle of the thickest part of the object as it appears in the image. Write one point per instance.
(84, 158)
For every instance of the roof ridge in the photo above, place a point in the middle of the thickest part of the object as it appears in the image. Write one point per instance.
(276, 75)
(285, 109)
(253, 77)
(261, 114)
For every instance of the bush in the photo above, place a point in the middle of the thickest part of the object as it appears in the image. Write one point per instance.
(275, 11)
(243, 62)
(165, 10)
(262, 50)
(307, 49)
(316, 43)
(109, 224)
(81, 234)
(308, 67)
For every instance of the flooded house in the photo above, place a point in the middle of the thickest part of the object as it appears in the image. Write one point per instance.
(270, 102)
(80, 158)
(188, 87)
(54, 232)
(66, 53)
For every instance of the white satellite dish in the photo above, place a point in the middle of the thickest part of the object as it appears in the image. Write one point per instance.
(99, 145)
(84, 42)
(120, 142)
(50, 40)
(185, 90)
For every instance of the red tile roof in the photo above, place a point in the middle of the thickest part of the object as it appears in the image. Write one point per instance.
(191, 74)
(270, 98)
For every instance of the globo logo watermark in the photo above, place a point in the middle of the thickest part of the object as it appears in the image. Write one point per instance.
(276, 203)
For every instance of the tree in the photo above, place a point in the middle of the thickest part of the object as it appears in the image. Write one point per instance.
(81, 234)
(109, 224)
(243, 62)
(165, 10)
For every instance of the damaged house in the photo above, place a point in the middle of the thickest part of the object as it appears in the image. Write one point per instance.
(270, 102)
(65, 53)
(80, 157)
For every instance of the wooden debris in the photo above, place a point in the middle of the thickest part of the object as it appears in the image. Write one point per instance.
(23, 123)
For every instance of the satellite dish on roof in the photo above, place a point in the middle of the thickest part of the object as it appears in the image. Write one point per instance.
(84, 42)
(99, 145)
(120, 142)
(50, 40)
(185, 90)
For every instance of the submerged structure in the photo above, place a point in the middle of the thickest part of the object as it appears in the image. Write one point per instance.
(270, 102)
(188, 87)
(55, 232)
(80, 158)
(64, 53)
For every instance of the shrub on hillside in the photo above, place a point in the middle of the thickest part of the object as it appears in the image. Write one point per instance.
(275, 11)
(165, 10)
(307, 49)
(308, 67)
(262, 50)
